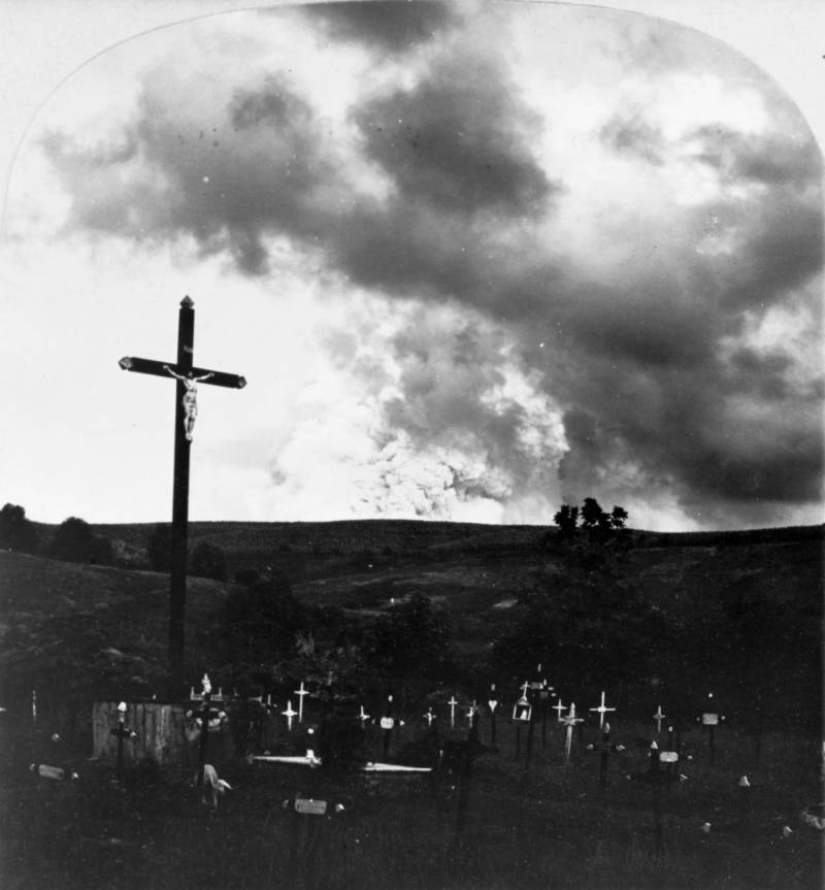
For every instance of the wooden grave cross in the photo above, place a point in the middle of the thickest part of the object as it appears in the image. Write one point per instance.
(301, 693)
(186, 407)
(602, 710)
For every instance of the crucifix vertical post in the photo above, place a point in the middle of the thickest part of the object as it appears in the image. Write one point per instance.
(180, 500)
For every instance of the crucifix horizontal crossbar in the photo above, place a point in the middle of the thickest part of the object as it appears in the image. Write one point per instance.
(159, 369)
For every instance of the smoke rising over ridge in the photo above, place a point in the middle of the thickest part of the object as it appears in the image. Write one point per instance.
(565, 280)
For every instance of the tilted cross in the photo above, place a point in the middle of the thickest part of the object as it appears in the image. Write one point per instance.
(187, 376)
(301, 693)
(570, 721)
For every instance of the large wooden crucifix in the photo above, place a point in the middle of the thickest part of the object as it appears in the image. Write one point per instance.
(187, 377)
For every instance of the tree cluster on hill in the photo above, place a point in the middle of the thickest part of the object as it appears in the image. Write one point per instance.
(16, 531)
(591, 520)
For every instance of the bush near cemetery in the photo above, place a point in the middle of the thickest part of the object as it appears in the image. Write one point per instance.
(74, 541)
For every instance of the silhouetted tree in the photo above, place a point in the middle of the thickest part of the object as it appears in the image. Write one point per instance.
(16, 532)
(75, 541)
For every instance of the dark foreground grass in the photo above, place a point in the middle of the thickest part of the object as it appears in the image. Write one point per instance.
(546, 827)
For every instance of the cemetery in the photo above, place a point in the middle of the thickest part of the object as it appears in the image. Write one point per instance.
(462, 706)
(333, 766)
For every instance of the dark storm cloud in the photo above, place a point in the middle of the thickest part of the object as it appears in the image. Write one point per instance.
(396, 26)
(227, 177)
(770, 158)
(466, 219)
(458, 142)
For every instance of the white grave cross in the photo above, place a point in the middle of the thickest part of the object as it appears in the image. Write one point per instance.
(452, 703)
(602, 711)
(570, 722)
(301, 693)
(658, 717)
(289, 714)
(558, 708)
(363, 716)
(429, 716)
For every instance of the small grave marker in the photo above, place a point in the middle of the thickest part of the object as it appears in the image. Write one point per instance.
(121, 733)
(429, 717)
(558, 707)
(301, 693)
(289, 714)
(658, 717)
(570, 722)
(492, 704)
(710, 718)
(602, 710)
(452, 703)
(387, 724)
(363, 717)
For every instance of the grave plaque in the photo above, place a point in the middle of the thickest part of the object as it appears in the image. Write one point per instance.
(310, 807)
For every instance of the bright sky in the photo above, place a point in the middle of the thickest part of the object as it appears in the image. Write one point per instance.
(474, 260)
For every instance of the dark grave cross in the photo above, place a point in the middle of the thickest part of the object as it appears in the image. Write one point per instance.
(387, 723)
(121, 733)
(604, 747)
(186, 408)
(710, 718)
(670, 758)
(545, 693)
(492, 704)
(658, 823)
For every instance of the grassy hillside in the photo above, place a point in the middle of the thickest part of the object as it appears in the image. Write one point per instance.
(53, 612)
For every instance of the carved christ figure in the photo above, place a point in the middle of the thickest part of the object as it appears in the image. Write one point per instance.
(190, 398)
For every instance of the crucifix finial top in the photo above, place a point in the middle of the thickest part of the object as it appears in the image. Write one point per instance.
(187, 302)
